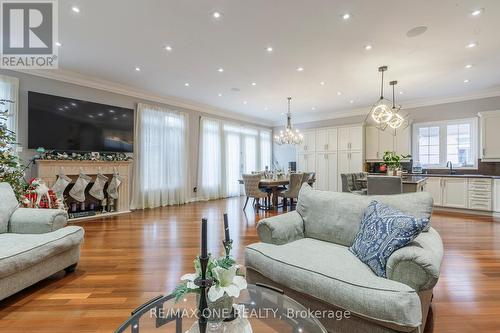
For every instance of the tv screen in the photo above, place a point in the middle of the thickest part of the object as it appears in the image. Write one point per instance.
(67, 124)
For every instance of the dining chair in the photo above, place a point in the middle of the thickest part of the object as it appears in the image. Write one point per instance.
(252, 190)
(379, 185)
(350, 183)
(308, 177)
(292, 191)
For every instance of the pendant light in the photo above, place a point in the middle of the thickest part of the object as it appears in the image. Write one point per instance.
(381, 111)
(289, 136)
(398, 120)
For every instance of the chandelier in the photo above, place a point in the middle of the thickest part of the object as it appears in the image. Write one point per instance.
(382, 114)
(289, 136)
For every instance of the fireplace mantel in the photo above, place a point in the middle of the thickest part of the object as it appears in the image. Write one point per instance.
(48, 170)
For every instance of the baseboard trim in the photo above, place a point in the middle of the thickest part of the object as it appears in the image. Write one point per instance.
(100, 216)
(468, 211)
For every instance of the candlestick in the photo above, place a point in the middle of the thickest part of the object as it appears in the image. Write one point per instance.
(226, 228)
(204, 252)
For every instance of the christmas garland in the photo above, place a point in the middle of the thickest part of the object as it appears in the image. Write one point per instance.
(88, 156)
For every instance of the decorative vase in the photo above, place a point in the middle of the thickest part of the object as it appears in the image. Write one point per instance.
(218, 311)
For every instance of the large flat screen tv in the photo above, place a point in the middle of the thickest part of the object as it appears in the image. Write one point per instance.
(67, 124)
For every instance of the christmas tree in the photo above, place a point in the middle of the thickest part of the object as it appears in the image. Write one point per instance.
(11, 170)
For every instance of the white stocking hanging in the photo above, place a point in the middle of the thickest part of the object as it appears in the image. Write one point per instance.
(97, 190)
(78, 190)
(113, 186)
(60, 185)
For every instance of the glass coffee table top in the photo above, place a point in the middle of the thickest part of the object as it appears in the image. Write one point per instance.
(260, 309)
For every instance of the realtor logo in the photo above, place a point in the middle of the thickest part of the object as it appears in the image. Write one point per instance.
(29, 31)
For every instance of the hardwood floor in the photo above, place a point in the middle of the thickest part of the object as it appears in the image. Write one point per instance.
(128, 259)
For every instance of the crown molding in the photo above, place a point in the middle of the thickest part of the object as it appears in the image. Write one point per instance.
(113, 87)
(412, 104)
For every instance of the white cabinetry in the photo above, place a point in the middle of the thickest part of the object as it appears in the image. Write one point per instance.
(377, 142)
(461, 192)
(326, 171)
(309, 142)
(496, 195)
(434, 187)
(306, 162)
(326, 139)
(350, 138)
(454, 192)
(490, 136)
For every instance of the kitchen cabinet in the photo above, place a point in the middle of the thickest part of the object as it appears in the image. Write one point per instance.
(326, 171)
(490, 136)
(350, 138)
(377, 142)
(349, 162)
(309, 142)
(326, 139)
(480, 194)
(306, 162)
(496, 195)
(434, 187)
(454, 192)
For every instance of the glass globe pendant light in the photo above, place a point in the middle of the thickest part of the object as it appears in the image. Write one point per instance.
(398, 120)
(381, 111)
(289, 136)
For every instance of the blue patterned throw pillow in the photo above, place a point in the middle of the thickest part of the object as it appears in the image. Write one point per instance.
(384, 230)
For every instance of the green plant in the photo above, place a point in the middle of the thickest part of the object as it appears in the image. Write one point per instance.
(11, 170)
(393, 160)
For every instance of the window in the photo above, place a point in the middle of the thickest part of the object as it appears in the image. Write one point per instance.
(9, 90)
(227, 150)
(455, 141)
(160, 146)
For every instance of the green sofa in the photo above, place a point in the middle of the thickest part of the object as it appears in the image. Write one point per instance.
(34, 243)
(305, 254)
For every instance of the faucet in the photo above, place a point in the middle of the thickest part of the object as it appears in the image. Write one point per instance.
(450, 165)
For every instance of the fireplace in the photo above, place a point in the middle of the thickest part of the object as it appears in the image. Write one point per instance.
(48, 170)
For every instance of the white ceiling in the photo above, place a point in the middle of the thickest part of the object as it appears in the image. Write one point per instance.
(108, 39)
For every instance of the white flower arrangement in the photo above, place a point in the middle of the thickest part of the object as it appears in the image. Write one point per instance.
(226, 277)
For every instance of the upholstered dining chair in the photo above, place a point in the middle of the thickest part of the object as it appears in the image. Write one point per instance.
(380, 185)
(252, 190)
(292, 191)
(350, 183)
(308, 177)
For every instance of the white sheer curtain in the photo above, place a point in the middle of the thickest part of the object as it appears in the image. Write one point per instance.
(226, 151)
(160, 149)
(9, 89)
(210, 170)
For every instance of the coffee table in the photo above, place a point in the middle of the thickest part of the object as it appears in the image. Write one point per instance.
(260, 309)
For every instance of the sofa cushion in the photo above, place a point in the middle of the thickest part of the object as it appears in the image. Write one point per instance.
(8, 204)
(384, 230)
(336, 217)
(331, 273)
(20, 251)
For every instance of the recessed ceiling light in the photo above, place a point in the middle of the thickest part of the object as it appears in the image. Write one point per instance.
(254, 84)
(220, 70)
(468, 66)
(138, 69)
(75, 9)
(216, 15)
(339, 93)
(220, 95)
(351, 101)
(186, 84)
(269, 49)
(245, 102)
(401, 92)
(168, 48)
(282, 113)
(466, 81)
(471, 45)
(300, 69)
(322, 83)
(313, 108)
(368, 47)
(477, 12)
(58, 44)
(346, 16)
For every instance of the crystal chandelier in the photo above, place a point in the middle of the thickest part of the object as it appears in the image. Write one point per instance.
(381, 112)
(289, 136)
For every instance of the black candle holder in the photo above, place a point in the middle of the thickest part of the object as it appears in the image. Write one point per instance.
(204, 283)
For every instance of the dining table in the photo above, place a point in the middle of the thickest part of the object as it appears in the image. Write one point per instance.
(275, 186)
